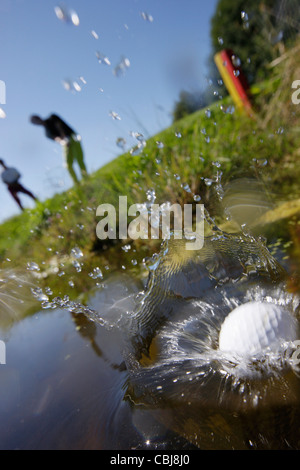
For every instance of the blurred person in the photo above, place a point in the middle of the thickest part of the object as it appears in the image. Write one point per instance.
(10, 176)
(56, 129)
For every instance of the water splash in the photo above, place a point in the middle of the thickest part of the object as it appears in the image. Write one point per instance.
(146, 16)
(67, 15)
(121, 68)
(173, 357)
(115, 116)
(170, 337)
(15, 296)
(102, 58)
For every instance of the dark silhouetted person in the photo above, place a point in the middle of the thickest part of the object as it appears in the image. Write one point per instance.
(10, 176)
(56, 129)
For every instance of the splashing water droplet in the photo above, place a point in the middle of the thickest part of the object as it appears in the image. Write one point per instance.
(115, 116)
(76, 86)
(102, 58)
(68, 16)
(208, 113)
(32, 266)
(186, 187)
(151, 196)
(94, 34)
(236, 60)
(39, 294)
(245, 20)
(208, 181)
(96, 273)
(138, 136)
(121, 67)
(147, 16)
(137, 149)
(126, 248)
(60, 13)
(77, 266)
(73, 85)
(121, 142)
(74, 18)
(159, 144)
(2, 114)
(76, 252)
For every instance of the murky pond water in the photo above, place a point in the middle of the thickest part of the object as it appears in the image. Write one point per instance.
(203, 352)
(139, 366)
(63, 384)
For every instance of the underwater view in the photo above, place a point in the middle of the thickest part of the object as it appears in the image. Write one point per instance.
(150, 262)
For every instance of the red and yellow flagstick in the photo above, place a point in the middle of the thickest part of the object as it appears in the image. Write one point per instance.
(234, 80)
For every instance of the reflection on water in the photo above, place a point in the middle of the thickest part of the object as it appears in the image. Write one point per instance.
(63, 384)
(139, 366)
(173, 357)
(58, 389)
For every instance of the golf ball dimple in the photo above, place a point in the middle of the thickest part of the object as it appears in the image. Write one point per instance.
(255, 326)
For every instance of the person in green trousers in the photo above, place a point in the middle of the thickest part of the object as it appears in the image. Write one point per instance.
(56, 129)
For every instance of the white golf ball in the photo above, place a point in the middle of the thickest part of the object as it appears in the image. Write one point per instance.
(255, 326)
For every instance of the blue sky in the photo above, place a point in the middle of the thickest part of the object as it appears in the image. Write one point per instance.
(39, 53)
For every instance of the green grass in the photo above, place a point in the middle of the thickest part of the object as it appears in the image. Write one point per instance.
(199, 155)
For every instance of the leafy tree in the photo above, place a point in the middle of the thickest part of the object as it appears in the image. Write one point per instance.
(188, 103)
(256, 30)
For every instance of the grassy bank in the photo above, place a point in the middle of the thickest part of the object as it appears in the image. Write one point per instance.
(196, 156)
